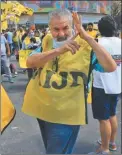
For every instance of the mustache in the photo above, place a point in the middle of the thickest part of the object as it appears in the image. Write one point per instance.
(62, 38)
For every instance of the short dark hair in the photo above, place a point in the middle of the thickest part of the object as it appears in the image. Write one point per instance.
(90, 24)
(107, 26)
(33, 40)
(3, 31)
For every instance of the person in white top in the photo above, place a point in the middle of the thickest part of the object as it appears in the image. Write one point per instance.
(107, 87)
(9, 39)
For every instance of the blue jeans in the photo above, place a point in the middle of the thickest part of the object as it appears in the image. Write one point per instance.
(58, 138)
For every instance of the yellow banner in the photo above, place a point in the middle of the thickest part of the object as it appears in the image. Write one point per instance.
(3, 17)
(4, 25)
(5, 5)
(15, 19)
(29, 11)
(23, 55)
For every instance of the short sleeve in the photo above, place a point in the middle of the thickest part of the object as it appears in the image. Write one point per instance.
(36, 51)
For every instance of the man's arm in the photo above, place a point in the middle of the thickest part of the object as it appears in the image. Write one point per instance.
(40, 59)
(8, 49)
(103, 56)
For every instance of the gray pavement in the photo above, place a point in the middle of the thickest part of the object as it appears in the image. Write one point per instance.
(22, 137)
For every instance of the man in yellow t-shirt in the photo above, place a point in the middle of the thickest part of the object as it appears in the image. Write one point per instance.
(91, 31)
(20, 34)
(56, 94)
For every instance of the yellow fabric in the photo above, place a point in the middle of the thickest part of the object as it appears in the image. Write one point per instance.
(23, 55)
(14, 19)
(15, 38)
(27, 41)
(47, 42)
(4, 25)
(7, 109)
(29, 11)
(89, 99)
(92, 33)
(3, 17)
(50, 101)
(20, 34)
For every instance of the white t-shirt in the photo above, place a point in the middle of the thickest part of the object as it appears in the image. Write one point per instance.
(110, 82)
(3, 43)
(9, 37)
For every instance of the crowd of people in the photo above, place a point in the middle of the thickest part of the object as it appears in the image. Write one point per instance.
(58, 97)
(12, 41)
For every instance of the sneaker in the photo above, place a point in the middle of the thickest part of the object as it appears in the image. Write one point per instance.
(15, 74)
(99, 141)
(112, 147)
(4, 75)
(11, 80)
(99, 152)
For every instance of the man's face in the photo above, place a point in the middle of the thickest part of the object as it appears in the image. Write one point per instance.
(31, 33)
(90, 27)
(61, 29)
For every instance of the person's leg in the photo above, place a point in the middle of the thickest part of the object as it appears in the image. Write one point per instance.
(105, 132)
(101, 111)
(114, 127)
(6, 65)
(10, 46)
(13, 68)
(73, 138)
(113, 121)
(59, 138)
(43, 131)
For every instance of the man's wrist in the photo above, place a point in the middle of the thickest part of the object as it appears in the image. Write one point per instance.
(88, 38)
(59, 51)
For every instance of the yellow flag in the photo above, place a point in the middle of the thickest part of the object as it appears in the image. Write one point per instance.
(3, 17)
(29, 11)
(5, 5)
(4, 25)
(14, 18)
(7, 110)
(23, 55)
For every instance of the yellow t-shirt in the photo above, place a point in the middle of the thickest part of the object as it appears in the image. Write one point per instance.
(15, 39)
(92, 33)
